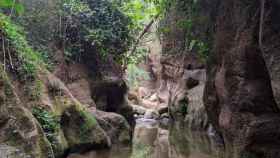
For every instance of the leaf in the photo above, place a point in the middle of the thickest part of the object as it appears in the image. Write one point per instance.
(19, 8)
(192, 44)
(6, 3)
(11, 4)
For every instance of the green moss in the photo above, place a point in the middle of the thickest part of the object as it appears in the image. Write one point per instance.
(89, 123)
(28, 59)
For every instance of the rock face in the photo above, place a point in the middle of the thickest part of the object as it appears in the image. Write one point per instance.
(183, 74)
(182, 84)
(239, 97)
(20, 134)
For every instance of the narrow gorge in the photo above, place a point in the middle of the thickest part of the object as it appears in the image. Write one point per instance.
(139, 78)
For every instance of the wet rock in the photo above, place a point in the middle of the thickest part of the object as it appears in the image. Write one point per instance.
(139, 109)
(116, 127)
(151, 114)
(164, 122)
(162, 109)
(165, 115)
(153, 98)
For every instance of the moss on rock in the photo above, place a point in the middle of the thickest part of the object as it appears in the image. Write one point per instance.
(81, 129)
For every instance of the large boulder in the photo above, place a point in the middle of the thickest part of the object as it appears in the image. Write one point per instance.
(115, 125)
(82, 130)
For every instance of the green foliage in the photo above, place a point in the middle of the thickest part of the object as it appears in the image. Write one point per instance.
(97, 25)
(42, 25)
(28, 59)
(200, 47)
(140, 12)
(139, 55)
(13, 5)
(135, 74)
(189, 25)
(49, 122)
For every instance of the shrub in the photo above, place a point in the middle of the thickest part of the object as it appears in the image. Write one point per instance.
(96, 25)
(49, 122)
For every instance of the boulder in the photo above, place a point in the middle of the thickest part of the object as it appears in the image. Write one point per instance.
(82, 131)
(149, 104)
(116, 127)
(153, 98)
(139, 109)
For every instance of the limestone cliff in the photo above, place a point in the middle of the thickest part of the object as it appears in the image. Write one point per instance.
(242, 77)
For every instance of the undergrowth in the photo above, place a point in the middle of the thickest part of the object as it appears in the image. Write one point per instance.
(49, 122)
(28, 60)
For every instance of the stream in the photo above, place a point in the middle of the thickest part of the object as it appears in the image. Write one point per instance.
(152, 141)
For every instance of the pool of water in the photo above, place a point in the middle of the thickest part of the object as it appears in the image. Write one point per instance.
(151, 141)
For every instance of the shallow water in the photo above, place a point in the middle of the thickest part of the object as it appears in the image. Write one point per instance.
(151, 141)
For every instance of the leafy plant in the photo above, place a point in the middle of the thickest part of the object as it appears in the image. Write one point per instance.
(13, 5)
(96, 25)
(29, 60)
(48, 121)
